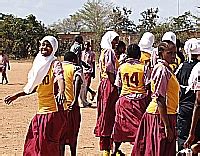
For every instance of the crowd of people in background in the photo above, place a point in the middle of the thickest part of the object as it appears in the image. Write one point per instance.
(148, 96)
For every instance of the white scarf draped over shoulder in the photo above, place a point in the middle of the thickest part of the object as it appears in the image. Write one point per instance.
(106, 41)
(41, 66)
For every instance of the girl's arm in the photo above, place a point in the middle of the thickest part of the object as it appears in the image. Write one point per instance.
(163, 114)
(195, 118)
(10, 99)
(61, 95)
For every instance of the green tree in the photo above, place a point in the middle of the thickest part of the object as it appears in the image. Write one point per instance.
(183, 24)
(71, 24)
(148, 21)
(95, 16)
(120, 20)
(20, 36)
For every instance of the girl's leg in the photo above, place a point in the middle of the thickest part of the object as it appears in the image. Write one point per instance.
(116, 147)
(4, 77)
(73, 148)
(93, 93)
(62, 150)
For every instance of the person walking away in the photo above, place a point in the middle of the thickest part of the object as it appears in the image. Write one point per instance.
(4, 62)
(73, 80)
(88, 56)
(77, 48)
(133, 100)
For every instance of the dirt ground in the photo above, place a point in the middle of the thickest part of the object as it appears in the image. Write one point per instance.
(15, 118)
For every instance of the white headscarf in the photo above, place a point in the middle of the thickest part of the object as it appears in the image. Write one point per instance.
(192, 46)
(170, 36)
(41, 65)
(193, 81)
(146, 42)
(107, 39)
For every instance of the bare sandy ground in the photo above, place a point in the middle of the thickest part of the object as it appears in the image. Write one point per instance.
(15, 118)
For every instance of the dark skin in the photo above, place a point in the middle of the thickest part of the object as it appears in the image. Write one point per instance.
(169, 56)
(111, 76)
(77, 88)
(46, 50)
(118, 144)
(195, 118)
(4, 76)
(93, 93)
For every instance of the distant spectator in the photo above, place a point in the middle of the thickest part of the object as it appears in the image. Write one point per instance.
(4, 61)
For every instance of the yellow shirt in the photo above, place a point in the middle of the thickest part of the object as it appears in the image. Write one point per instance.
(145, 57)
(45, 92)
(132, 77)
(107, 62)
(172, 96)
(70, 70)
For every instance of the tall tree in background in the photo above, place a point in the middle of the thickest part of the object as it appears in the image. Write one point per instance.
(120, 20)
(20, 36)
(184, 23)
(95, 17)
(71, 24)
(92, 17)
(148, 21)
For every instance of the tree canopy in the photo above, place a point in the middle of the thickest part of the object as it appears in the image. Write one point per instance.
(20, 36)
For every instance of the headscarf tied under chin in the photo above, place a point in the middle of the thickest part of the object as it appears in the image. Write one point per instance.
(107, 39)
(41, 65)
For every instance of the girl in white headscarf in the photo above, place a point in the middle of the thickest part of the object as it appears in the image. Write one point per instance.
(146, 47)
(46, 126)
(107, 93)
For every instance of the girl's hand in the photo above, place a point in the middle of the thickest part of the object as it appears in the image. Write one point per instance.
(169, 134)
(10, 99)
(60, 98)
(189, 141)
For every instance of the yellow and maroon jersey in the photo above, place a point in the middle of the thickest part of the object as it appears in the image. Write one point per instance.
(107, 62)
(131, 77)
(165, 84)
(145, 57)
(70, 72)
(45, 90)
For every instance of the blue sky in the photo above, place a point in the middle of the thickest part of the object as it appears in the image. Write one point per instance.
(49, 11)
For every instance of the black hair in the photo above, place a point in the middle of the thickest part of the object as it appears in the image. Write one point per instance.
(78, 38)
(88, 43)
(120, 45)
(70, 56)
(133, 51)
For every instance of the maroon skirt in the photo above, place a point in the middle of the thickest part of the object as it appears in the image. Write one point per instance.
(151, 139)
(71, 128)
(129, 112)
(43, 137)
(106, 100)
